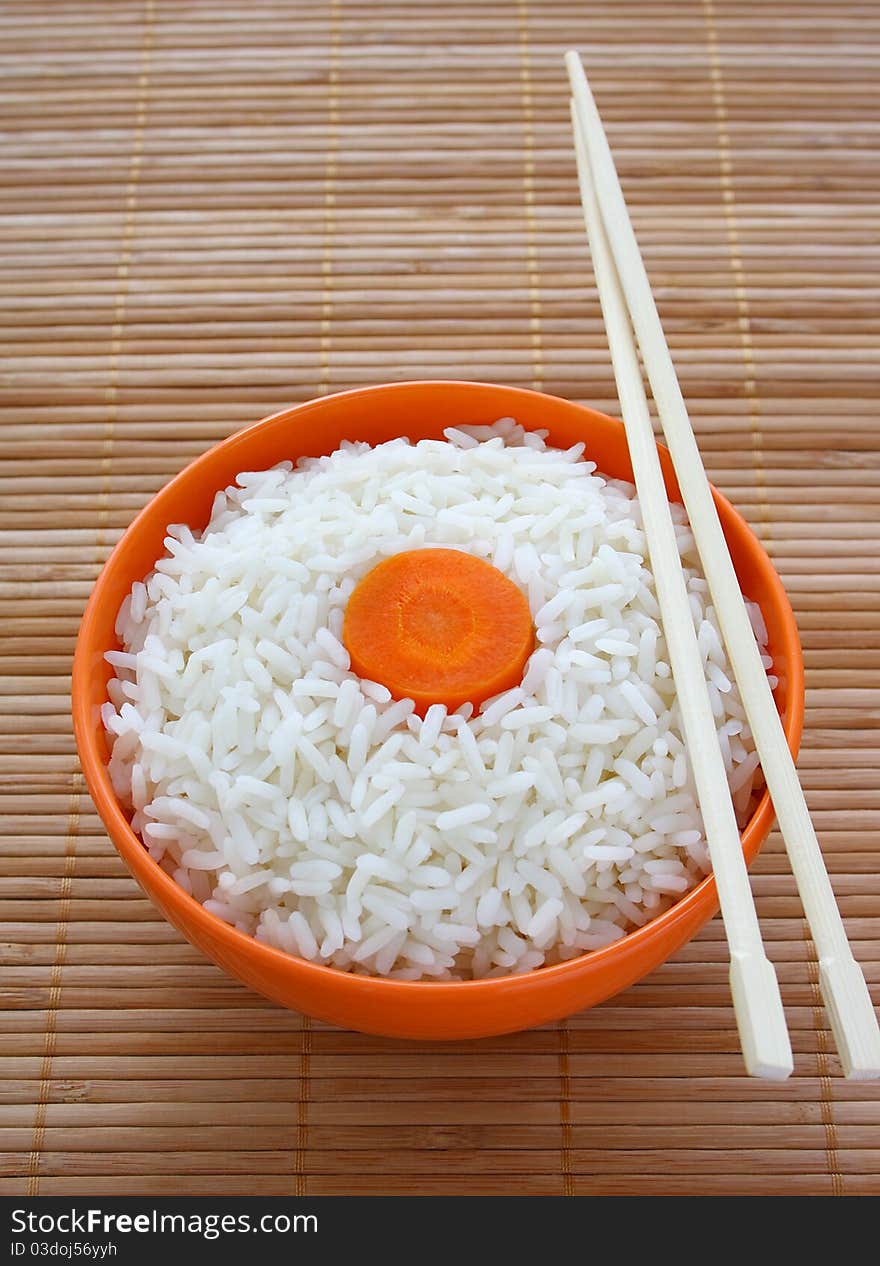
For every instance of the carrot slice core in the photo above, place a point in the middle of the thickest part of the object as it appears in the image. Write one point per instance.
(438, 626)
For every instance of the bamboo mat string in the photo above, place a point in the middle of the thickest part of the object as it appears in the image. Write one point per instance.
(565, 1108)
(330, 173)
(744, 320)
(55, 979)
(528, 117)
(826, 1097)
(300, 1166)
(123, 269)
(537, 345)
(750, 386)
(330, 176)
(111, 398)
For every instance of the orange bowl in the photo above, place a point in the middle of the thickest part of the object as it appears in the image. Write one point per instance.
(395, 1008)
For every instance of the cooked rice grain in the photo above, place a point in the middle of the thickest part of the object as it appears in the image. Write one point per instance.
(310, 809)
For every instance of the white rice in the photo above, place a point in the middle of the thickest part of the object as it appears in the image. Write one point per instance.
(313, 811)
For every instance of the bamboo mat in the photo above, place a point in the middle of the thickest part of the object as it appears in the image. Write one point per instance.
(210, 210)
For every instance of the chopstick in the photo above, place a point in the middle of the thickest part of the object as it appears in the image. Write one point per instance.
(845, 993)
(755, 990)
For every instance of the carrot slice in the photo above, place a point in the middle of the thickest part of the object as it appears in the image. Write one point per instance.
(438, 626)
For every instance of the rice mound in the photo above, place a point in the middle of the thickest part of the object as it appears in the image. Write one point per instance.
(308, 808)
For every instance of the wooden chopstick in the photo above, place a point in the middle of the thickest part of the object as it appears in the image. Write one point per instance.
(847, 1000)
(757, 1003)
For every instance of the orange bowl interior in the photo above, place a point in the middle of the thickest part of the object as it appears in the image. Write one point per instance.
(410, 1009)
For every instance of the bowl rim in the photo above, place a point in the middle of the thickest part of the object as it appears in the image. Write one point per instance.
(703, 898)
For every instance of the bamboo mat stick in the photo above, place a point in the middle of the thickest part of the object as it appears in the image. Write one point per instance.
(756, 999)
(846, 996)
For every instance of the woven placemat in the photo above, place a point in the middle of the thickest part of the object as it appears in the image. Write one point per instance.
(213, 210)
